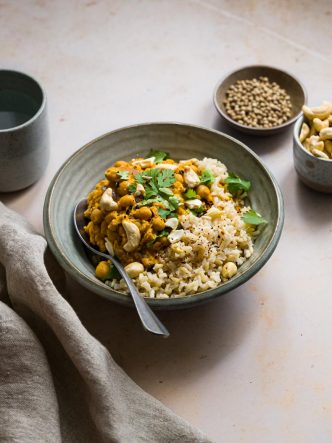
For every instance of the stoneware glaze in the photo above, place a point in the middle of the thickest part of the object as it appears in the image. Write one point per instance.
(24, 141)
(313, 171)
(86, 167)
(287, 81)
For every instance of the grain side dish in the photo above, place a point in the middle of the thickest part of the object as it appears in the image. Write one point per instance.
(178, 227)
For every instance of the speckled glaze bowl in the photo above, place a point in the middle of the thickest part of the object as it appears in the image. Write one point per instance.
(313, 171)
(287, 81)
(86, 167)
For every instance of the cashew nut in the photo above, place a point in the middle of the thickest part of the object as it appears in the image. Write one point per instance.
(140, 190)
(320, 154)
(320, 124)
(134, 269)
(192, 204)
(172, 223)
(106, 202)
(109, 247)
(133, 236)
(328, 146)
(176, 236)
(314, 142)
(305, 130)
(145, 163)
(190, 177)
(326, 134)
(322, 112)
(167, 166)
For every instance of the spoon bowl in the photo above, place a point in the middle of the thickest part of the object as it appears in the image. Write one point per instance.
(149, 320)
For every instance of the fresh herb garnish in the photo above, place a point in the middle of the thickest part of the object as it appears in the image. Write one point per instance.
(197, 211)
(236, 184)
(159, 156)
(156, 183)
(114, 273)
(190, 193)
(132, 188)
(163, 212)
(123, 174)
(207, 177)
(163, 233)
(252, 218)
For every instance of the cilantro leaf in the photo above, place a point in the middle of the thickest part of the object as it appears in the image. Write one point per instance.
(132, 188)
(163, 233)
(123, 174)
(159, 156)
(166, 191)
(190, 193)
(165, 178)
(252, 218)
(236, 184)
(163, 212)
(114, 273)
(207, 177)
(197, 211)
(174, 202)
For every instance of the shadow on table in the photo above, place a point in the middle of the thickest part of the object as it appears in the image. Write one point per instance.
(315, 207)
(200, 336)
(261, 145)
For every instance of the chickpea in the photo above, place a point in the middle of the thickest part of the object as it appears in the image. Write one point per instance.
(103, 270)
(158, 223)
(143, 213)
(179, 178)
(203, 191)
(112, 174)
(126, 200)
(229, 270)
(96, 216)
(123, 188)
(120, 163)
(178, 187)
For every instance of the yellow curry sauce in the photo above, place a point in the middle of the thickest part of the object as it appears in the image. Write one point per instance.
(137, 201)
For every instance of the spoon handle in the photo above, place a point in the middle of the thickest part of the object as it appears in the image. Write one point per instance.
(148, 318)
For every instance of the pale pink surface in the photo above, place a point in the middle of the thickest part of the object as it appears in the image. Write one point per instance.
(255, 365)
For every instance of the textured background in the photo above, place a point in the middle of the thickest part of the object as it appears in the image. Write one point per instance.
(254, 366)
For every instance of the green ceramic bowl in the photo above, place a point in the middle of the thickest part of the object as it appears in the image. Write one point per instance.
(86, 167)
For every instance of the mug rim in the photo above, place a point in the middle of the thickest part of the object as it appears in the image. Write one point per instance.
(41, 107)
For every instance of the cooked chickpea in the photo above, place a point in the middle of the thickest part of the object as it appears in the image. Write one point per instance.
(126, 200)
(112, 174)
(143, 213)
(229, 270)
(158, 223)
(103, 270)
(179, 178)
(203, 191)
(123, 188)
(96, 216)
(120, 163)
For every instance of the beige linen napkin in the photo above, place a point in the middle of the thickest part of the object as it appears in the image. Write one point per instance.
(57, 382)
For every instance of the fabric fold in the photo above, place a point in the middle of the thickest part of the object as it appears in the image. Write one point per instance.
(87, 396)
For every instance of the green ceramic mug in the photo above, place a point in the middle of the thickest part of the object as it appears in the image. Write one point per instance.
(24, 138)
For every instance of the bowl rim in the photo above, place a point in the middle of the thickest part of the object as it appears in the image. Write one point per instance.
(249, 128)
(296, 138)
(171, 303)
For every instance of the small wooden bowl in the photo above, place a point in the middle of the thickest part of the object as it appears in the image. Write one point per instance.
(292, 86)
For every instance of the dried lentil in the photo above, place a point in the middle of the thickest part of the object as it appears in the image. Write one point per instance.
(258, 103)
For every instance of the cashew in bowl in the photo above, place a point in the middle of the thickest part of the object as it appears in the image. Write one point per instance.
(133, 236)
(316, 132)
